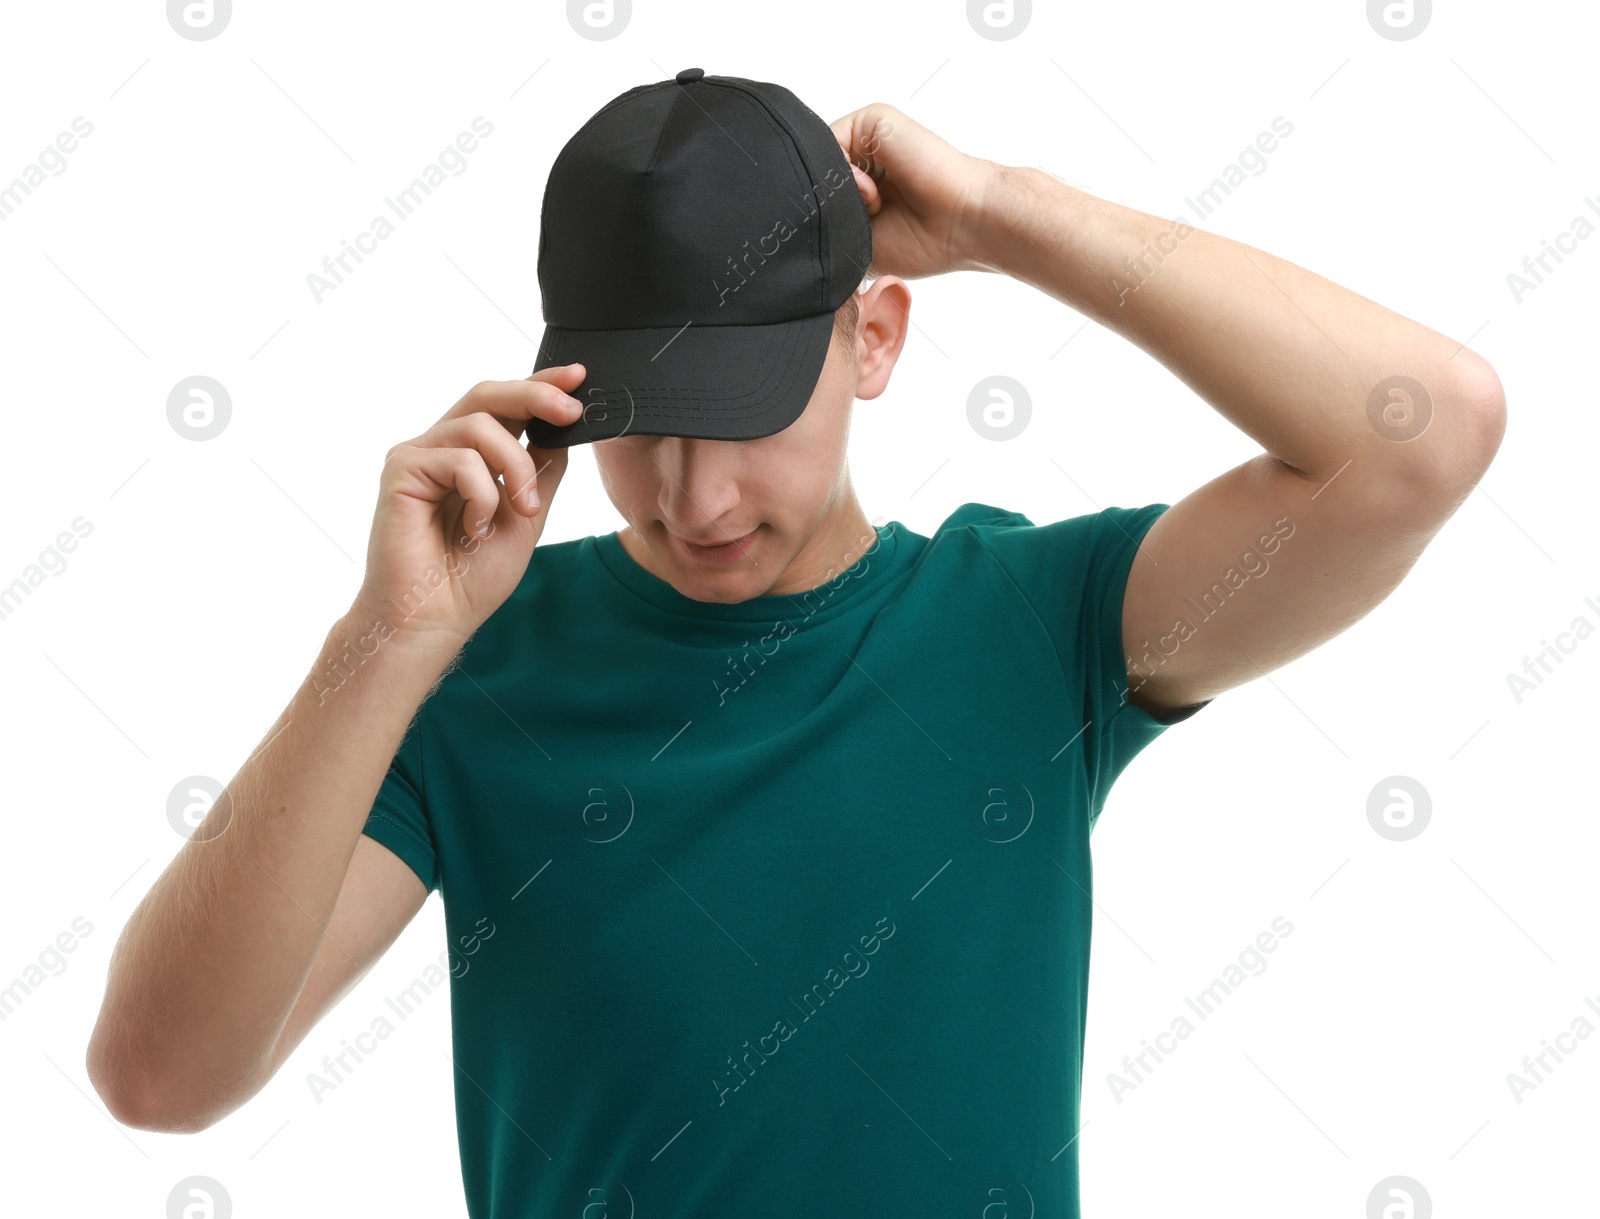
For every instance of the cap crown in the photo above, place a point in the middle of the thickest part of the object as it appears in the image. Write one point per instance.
(721, 201)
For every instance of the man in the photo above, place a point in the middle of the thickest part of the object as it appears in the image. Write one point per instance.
(763, 830)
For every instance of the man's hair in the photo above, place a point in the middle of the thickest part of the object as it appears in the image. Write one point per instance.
(844, 325)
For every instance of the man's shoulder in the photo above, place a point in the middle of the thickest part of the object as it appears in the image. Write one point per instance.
(1005, 530)
(1010, 529)
(973, 513)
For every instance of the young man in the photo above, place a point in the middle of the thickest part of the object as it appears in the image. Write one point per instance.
(763, 831)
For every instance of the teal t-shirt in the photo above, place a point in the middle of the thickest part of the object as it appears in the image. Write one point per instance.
(780, 907)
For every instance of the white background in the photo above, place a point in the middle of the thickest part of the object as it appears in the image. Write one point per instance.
(1419, 173)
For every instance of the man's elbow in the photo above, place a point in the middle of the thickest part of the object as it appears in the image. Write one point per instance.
(138, 1107)
(1451, 455)
(1483, 401)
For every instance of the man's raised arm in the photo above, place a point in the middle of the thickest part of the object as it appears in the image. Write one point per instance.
(1374, 427)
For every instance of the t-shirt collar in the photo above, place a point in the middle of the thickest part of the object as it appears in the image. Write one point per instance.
(839, 589)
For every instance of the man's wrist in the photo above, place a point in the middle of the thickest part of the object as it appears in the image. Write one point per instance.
(1015, 199)
(362, 658)
(371, 630)
(1007, 192)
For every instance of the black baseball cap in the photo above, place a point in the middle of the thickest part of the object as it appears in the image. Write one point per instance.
(696, 237)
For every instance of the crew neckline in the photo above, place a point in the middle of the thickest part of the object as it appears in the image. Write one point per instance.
(842, 589)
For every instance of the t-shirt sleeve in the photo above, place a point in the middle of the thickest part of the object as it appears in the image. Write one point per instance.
(399, 816)
(1074, 574)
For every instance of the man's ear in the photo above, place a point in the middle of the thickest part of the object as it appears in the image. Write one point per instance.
(881, 333)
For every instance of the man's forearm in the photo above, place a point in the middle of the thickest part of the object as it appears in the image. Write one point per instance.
(213, 960)
(1290, 358)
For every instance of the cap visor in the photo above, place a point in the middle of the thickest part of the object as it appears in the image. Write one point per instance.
(707, 382)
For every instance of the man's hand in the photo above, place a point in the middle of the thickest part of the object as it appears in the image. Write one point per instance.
(924, 196)
(460, 508)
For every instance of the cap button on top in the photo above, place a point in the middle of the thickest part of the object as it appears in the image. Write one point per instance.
(689, 74)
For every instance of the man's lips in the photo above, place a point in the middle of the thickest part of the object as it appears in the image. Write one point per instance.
(724, 551)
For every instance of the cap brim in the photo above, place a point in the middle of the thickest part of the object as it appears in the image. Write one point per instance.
(707, 382)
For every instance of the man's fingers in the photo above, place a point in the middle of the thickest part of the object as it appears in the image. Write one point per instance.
(863, 133)
(501, 452)
(844, 131)
(531, 474)
(544, 395)
(440, 471)
(868, 190)
(856, 156)
(549, 465)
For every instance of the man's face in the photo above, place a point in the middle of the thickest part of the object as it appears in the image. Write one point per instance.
(768, 513)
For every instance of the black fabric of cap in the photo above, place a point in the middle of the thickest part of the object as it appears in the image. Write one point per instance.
(696, 237)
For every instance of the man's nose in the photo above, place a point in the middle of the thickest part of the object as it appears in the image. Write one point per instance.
(698, 482)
